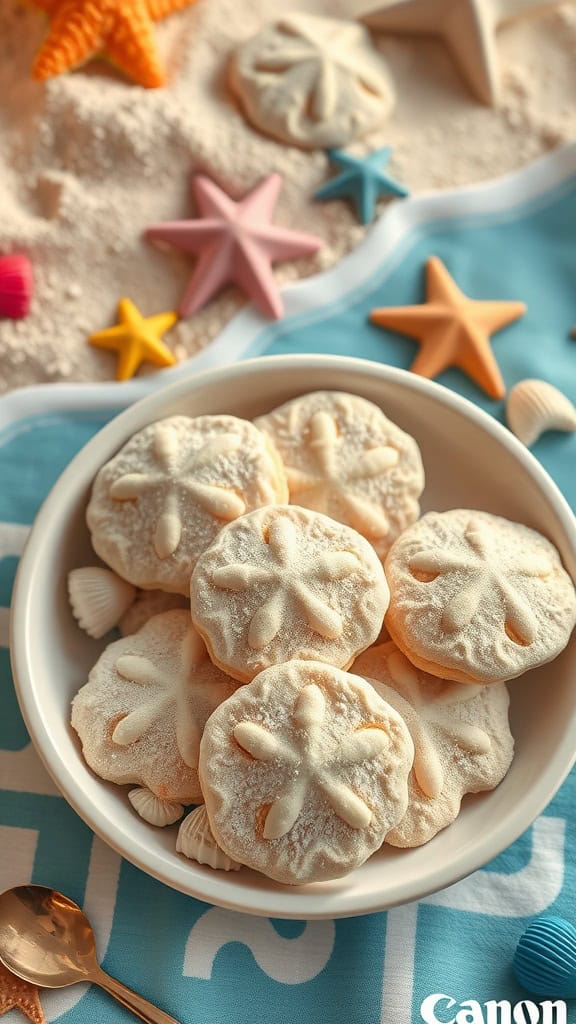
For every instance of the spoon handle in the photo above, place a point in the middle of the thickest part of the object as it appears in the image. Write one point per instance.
(131, 1000)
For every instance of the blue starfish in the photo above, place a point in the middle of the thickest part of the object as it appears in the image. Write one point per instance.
(362, 180)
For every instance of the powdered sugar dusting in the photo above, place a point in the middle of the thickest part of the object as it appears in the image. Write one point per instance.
(462, 740)
(303, 772)
(345, 458)
(285, 582)
(163, 498)
(141, 714)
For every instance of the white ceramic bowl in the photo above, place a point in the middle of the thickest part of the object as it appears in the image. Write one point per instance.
(470, 461)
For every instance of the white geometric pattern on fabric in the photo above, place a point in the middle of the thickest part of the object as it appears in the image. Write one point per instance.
(526, 892)
(17, 868)
(21, 771)
(289, 961)
(12, 539)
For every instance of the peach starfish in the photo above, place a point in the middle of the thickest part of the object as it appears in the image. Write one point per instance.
(452, 330)
(118, 29)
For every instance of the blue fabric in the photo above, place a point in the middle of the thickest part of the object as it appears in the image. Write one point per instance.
(205, 965)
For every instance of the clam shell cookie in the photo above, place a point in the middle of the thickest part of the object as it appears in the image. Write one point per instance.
(462, 740)
(284, 582)
(141, 714)
(477, 598)
(165, 495)
(304, 772)
(345, 458)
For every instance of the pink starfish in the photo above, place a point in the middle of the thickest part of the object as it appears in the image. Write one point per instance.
(235, 243)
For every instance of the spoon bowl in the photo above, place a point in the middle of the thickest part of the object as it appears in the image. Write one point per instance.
(46, 939)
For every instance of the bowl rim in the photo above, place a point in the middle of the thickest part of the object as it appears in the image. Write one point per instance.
(295, 903)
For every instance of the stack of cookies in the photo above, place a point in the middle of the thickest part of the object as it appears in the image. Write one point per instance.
(306, 661)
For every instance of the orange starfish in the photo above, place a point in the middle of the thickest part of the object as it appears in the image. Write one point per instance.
(452, 329)
(118, 29)
(19, 995)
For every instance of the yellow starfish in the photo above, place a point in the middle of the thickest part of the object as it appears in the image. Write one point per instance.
(136, 339)
(118, 29)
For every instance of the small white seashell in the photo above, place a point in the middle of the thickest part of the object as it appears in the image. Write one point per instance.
(534, 406)
(99, 598)
(154, 810)
(196, 841)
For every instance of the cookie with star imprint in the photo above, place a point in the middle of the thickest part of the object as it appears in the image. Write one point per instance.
(287, 583)
(462, 739)
(345, 458)
(312, 81)
(304, 772)
(477, 598)
(160, 502)
(141, 714)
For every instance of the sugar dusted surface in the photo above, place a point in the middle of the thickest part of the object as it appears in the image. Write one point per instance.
(461, 735)
(254, 574)
(477, 597)
(147, 604)
(88, 161)
(237, 787)
(124, 532)
(154, 759)
(329, 442)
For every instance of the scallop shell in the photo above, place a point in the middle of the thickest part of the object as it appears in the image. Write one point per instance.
(16, 286)
(195, 841)
(99, 598)
(154, 810)
(535, 406)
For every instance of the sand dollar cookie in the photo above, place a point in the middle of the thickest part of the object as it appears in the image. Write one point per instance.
(285, 582)
(304, 772)
(345, 458)
(147, 604)
(462, 740)
(141, 714)
(477, 598)
(312, 81)
(163, 498)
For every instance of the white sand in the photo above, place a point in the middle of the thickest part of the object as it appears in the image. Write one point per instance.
(88, 161)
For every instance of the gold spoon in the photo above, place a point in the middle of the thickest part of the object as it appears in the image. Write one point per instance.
(47, 940)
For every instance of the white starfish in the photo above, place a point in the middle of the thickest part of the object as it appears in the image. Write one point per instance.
(489, 569)
(316, 758)
(292, 580)
(468, 27)
(175, 478)
(321, 47)
(336, 478)
(412, 699)
(176, 690)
